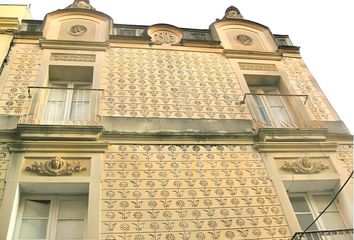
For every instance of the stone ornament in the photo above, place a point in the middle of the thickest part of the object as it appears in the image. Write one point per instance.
(165, 37)
(232, 13)
(73, 57)
(77, 30)
(345, 154)
(84, 4)
(55, 167)
(304, 165)
(244, 39)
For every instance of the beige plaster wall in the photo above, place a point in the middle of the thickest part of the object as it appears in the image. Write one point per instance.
(188, 192)
(170, 84)
(21, 72)
(4, 162)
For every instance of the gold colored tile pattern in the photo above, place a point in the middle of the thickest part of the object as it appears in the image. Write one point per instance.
(303, 83)
(25, 60)
(155, 192)
(4, 162)
(170, 84)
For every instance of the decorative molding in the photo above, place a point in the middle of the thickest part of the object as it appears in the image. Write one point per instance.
(56, 167)
(258, 67)
(73, 57)
(345, 154)
(304, 165)
(244, 39)
(165, 34)
(77, 30)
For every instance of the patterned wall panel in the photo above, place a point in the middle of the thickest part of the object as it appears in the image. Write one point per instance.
(23, 73)
(172, 192)
(303, 83)
(170, 84)
(4, 162)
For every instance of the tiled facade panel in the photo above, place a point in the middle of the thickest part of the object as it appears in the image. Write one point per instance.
(188, 192)
(170, 84)
(303, 83)
(23, 73)
(4, 162)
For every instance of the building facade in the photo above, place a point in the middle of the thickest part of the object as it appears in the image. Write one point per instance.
(112, 131)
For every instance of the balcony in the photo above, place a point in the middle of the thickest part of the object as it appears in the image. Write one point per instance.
(63, 106)
(342, 234)
(280, 111)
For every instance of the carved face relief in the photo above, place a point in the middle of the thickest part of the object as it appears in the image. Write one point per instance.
(244, 39)
(77, 30)
(304, 165)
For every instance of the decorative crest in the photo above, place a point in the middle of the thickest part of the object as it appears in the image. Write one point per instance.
(232, 13)
(55, 167)
(85, 4)
(304, 165)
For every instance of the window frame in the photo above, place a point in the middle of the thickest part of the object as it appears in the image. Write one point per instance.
(314, 210)
(53, 215)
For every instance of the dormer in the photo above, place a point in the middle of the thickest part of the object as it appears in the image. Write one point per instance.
(78, 22)
(236, 33)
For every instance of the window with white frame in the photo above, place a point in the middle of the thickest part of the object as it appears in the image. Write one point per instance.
(49, 217)
(272, 108)
(307, 206)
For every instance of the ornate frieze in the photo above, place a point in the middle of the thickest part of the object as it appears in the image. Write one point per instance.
(302, 82)
(25, 60)
(56, 167)
(345, 154)
(188, 192)
(73, 57)
(304, 165)
(170, 84)
(258, 67)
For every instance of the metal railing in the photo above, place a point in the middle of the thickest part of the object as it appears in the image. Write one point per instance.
(341, 234)
(63, 106)
(289, 113)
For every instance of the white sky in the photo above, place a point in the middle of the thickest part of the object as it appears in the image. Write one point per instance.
(321, 28)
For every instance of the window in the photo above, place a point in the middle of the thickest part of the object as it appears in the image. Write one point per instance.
(271, 107)
(68, 102)
(308, 206)
(44, 217)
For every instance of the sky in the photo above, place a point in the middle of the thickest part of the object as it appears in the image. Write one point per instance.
(321, 28)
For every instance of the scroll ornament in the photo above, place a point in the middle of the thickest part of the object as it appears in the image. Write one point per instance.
(304, 165)
(55, 167)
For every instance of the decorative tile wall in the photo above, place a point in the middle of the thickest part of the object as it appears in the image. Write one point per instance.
(303, 83)
(188, 192)
(23, 73)
(170, 84)
(4, 162)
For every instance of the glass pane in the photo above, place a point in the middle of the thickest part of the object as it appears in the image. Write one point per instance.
(36, 208)
(33, 229)
(332, 220)
(299, 204)
(80, 105)
(56, 104)
(70, 229)
(305, 220)
(72, 209)
(322, 201)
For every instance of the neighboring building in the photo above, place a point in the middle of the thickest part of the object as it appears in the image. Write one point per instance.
(112, 131)
(11, 16)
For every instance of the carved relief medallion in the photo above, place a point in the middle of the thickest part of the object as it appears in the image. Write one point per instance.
(304, 165)
(244, 39)
(78, 30)
(55, 167)
(165, 37)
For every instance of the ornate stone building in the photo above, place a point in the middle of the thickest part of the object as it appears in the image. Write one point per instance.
(112, 131)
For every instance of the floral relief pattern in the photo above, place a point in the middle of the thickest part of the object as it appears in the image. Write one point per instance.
(4, 162)
(158, 192)
(302, 81)
(23, 73)
(170, 84)
(345, 154)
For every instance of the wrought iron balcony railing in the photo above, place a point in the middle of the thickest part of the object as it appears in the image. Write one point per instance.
(63, 106)
(280, 111)
(341, 234)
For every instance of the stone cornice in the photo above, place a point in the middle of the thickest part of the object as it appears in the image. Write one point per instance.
(9, 24)
(73, 45)
(239, 54)
(296, 147)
